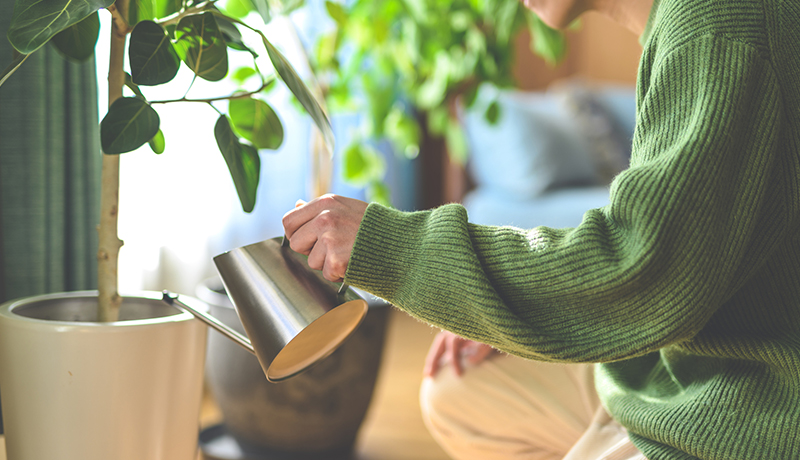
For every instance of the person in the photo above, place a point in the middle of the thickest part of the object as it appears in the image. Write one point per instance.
(681, 296)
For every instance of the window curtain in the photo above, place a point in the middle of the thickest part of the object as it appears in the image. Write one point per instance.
(50, 163)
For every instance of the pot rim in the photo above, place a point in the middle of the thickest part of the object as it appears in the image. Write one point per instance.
(7, 311)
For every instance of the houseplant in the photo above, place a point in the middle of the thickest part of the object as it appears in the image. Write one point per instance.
(163, 34)
(405, 64)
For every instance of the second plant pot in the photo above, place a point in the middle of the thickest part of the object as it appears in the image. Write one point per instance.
(317, 413)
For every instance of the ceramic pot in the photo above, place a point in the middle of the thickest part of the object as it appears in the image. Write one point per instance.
(316, 412)
(76, 389)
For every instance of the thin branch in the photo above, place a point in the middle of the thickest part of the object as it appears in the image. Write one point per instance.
(176, 17)
(220, 98)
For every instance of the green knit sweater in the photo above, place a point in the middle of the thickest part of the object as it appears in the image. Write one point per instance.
(686, 287)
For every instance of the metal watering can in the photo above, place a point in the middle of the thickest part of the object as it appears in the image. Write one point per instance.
(292, 314)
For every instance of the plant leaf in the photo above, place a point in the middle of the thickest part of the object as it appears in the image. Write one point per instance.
(129, 123)
(146, 10)
(361, 165)
(133, 87)
(152, 58)
(242, 160)
(255, 120)
(263, 10)
(157, 143)
(301, 92)
(239, 9)
(232, 36)
(242, 74)
(18, 60)
(336, 12)
(378, 192)
(546, 42)
(403, 131)
(202, 46)
(34, 23)
(77, 41)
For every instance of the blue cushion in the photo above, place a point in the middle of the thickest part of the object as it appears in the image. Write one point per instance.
(533, 147)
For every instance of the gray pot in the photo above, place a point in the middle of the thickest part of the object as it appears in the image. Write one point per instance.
(315, 412)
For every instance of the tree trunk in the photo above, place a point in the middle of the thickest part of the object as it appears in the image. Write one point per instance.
(109, 299)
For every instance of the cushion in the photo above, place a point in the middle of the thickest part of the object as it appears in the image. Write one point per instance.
(532, 148)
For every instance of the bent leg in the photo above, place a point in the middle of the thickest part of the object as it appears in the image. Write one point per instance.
(509, 408)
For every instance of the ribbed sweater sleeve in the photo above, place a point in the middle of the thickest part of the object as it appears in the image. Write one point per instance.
(687, 224)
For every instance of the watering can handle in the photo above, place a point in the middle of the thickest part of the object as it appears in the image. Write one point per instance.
(212, 322)
(342, 288)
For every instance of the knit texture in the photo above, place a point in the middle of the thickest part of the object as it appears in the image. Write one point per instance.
(686, 287)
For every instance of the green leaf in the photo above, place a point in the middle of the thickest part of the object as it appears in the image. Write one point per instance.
(242, 74)
(133, 86)
(362, 165)
(378, 192)
(148, 10)
(255, 120)
(301, 92)
(438, 119)
(336, 12)
(152, 58)
(456, 141)
(77, 41)
(18, 60)
(34, 23)
(157, 143)
(129, 123)
(242, 160)
(546, 42)
(239, 9)
(262, 8)
(232, 36)
(202, 46)
(403, 131)
(492, 113)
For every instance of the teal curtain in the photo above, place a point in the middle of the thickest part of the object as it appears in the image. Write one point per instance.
(49, 173)
(50, 162)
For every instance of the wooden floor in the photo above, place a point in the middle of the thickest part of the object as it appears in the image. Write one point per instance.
(393, 428)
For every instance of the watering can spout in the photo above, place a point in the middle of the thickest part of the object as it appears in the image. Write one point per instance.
(210, 321)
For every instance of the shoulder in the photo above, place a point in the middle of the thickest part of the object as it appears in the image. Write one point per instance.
(678, 22)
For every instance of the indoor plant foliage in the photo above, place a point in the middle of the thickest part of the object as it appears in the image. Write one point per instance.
(406, 63)
(165, 34)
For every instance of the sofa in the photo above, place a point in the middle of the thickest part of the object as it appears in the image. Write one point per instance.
(545, 158)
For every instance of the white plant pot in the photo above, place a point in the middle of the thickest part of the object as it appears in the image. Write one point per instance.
(74, 389)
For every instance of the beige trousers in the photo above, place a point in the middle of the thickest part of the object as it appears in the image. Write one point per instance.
(508, 408)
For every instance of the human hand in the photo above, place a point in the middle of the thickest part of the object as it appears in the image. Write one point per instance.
(455, 350)
(325, 230)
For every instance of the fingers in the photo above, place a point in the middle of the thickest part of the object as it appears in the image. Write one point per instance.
(478, 352)
(435, 353)
(449, 348)
(455, 345)
(325, 229)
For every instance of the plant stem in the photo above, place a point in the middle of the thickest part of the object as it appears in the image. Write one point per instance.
(264, 86)
(109, 299)
(175, 18)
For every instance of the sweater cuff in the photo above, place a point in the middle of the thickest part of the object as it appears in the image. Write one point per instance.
(375, 266)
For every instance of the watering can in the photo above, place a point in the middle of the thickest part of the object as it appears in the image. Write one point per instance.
(293, 316)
